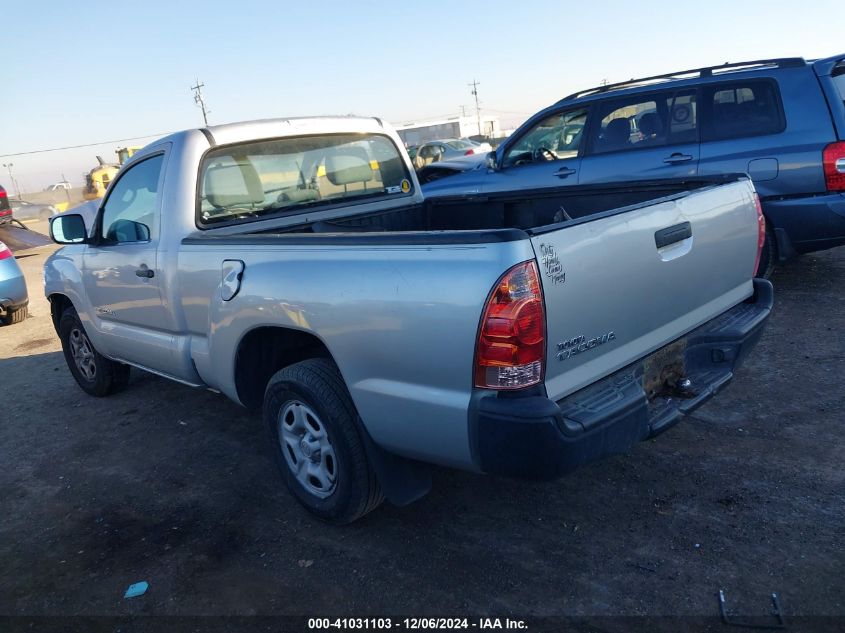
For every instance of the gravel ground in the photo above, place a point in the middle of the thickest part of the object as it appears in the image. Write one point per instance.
(175, 486)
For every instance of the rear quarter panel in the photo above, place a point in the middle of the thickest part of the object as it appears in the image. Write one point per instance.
(400, 322)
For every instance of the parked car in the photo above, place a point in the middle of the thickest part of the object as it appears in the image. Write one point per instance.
(447, 149)
(59, 186)
(14, 300)
(512, 333)
(479, 147)
(23, 210)
(5, 207)
(782, 121)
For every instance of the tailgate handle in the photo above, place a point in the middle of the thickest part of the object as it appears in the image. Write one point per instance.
(672, 234)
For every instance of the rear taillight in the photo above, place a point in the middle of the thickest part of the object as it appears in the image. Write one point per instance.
(833, 160)
(469, 152)
(511, 347)
(761, 232)
(3, 193)
(6, 212)
(5, 253)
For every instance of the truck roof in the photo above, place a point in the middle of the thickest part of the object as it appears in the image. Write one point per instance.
(276, 128)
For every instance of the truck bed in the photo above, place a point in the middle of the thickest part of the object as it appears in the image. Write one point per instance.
(532, 211)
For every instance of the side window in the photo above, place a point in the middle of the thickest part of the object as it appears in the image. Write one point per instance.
(748, 108)
(646, 121)
(560, 134)
(129, 214)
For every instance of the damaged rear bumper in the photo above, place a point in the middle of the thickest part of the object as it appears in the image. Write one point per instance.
(536, 437)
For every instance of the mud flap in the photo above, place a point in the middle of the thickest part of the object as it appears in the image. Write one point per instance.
(402, 480)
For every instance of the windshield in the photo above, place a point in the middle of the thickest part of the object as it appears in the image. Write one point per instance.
(460, 144)
(560, 133)
(284, 176)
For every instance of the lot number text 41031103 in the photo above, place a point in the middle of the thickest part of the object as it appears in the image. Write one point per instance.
(414, 624)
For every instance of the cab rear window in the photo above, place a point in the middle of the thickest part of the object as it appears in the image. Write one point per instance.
(256, 180)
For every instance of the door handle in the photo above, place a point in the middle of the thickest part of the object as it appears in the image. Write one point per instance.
(143, 271)
(563, 172)
(672, 234)
(677, 157)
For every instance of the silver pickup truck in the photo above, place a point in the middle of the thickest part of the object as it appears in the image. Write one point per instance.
(294, 266)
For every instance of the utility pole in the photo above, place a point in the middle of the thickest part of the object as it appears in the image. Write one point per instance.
(463, 110)
(12, 178)
(474, 93)
(199, 100)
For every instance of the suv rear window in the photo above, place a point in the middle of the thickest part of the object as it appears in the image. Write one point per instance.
(747, 108)
(240, 183)
(838, 78)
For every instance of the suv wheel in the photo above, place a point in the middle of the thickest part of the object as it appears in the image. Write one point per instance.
(315, 441)
(96, 374)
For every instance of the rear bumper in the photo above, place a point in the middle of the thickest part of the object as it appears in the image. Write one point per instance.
(813, 223)
(536, 437)
(13, 293)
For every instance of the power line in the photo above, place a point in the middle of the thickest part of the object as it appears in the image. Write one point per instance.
(59, 149)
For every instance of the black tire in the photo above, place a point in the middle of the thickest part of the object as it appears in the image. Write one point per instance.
(768, 256)
(317, 384)
(15, 316)
(108, 376)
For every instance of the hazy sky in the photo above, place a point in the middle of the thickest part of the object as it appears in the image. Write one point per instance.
(82, 72)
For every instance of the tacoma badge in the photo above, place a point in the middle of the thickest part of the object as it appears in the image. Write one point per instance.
(581, 344)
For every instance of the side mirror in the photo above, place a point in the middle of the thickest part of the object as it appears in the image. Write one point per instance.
(68, 229)
(492, 163)
(126, 231)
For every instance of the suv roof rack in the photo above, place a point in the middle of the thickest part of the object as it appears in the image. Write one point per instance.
(783, 62)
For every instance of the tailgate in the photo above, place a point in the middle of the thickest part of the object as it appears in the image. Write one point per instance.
(621, 286)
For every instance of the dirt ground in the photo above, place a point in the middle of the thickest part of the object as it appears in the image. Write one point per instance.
(175, 486)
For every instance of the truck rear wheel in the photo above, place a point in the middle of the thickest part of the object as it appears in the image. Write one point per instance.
(96, 374)
(316, 444)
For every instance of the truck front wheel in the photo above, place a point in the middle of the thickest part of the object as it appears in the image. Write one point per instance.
(96, 374)
(316, 444)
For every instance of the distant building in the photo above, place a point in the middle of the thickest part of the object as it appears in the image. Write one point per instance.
(418, 132)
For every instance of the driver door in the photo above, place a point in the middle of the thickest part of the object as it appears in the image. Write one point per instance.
(548, 155)
(120, 271)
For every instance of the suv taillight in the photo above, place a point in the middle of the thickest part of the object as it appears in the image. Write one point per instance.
(5, 253)
(511, 348)
(761, 232)
(833, 160)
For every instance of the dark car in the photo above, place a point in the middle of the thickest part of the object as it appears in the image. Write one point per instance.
(5, 209)
(782, 121)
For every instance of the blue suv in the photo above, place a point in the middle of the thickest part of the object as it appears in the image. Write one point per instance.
(782, 121)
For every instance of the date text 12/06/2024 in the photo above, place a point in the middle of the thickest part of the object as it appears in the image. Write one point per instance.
(412, 624)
